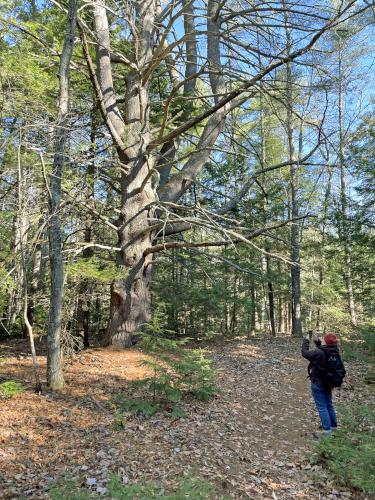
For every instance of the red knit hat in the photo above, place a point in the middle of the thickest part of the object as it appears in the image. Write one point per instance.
(330, 339)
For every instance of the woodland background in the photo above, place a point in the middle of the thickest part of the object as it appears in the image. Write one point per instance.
(185, 174)
(296, 144)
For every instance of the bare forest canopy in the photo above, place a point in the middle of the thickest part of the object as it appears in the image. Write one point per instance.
(192, 168)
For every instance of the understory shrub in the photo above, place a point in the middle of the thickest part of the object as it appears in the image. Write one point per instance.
(368, 335)
(138, 407)
(360, 345)
(10, 388)
(176, 373)
(350, 453)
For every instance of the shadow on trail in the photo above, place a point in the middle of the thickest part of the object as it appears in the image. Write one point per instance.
(248, 440)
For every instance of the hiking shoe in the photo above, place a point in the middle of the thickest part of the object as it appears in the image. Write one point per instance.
(321, 434)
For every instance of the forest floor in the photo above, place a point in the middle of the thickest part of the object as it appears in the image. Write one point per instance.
(251, 441)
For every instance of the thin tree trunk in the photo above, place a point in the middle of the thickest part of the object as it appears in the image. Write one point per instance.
(35, 277)
(15, 304)
(271, 303)
(266, 261)
(253, 308)
(294, 232)
(319, 319)
(83, 307)
(98, 313)
(286, 328)
(38, 384)
(22, 212)
(290, 318)
(265, 310)
(344, 203)
(258, 313)
(233, 320)
(281, 320)
(55, 377)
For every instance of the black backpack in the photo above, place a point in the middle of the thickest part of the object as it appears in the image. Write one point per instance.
(332, 371)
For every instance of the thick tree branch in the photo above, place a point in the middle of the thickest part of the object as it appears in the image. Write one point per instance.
(236, 93)
(179, 183)
(99, 95)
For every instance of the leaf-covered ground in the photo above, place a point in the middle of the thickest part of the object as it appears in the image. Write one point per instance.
(249, 442)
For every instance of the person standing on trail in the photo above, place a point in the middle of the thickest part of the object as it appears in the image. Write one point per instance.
(326, 371)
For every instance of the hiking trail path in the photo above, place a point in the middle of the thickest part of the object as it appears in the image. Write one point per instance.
(249, 442)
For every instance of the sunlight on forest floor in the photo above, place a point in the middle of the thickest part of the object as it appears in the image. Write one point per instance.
(250, 440)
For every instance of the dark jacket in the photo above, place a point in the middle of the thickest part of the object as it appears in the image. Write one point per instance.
(317, 358)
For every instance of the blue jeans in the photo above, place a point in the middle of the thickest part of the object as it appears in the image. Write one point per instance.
(323, 402)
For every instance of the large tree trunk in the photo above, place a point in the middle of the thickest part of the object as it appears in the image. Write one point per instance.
(130, 297)
(130, 307)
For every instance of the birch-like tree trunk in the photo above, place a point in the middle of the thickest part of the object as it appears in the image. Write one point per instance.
(15, 304)
(55, 377)
(35, 278)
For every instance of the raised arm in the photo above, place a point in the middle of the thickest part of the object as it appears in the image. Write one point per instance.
(308, 353)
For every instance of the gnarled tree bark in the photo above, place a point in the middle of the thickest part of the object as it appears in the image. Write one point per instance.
(148, 182)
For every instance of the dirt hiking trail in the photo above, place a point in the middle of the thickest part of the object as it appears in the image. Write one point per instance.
(249, 442)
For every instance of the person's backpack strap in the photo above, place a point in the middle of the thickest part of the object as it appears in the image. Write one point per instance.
(323, 367)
